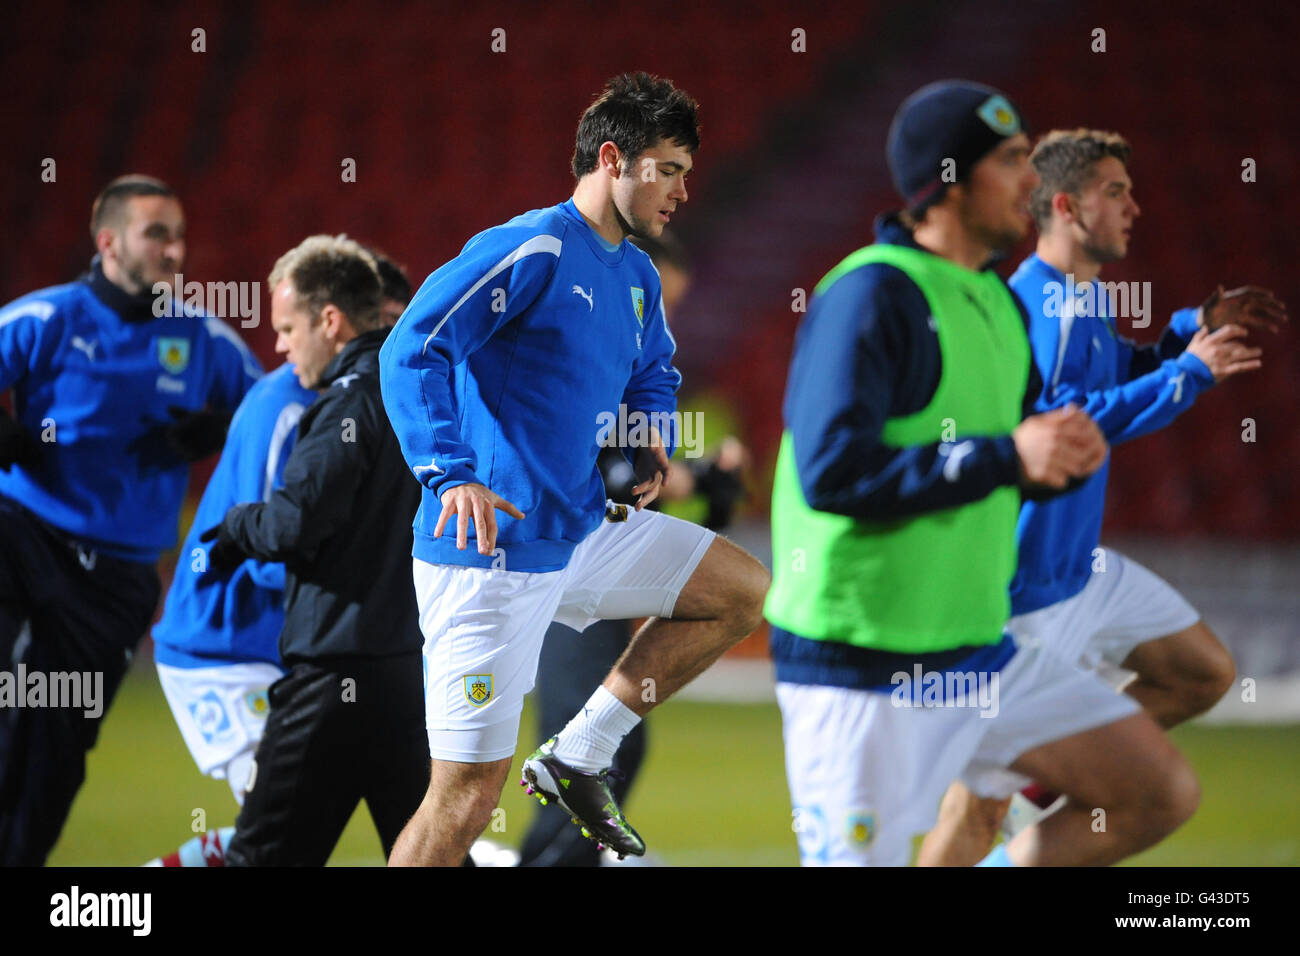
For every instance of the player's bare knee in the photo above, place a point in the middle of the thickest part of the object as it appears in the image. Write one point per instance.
(1213, 677)
(987, 813)
(1183, 795)
(1200, 696)
(746, 606)
(979, 817)
(1221, 675)
(959, 803)
(1170, 798)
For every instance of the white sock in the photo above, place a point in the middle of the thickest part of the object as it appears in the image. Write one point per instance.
(591, 737)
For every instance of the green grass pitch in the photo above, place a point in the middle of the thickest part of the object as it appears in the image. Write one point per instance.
(712, 792)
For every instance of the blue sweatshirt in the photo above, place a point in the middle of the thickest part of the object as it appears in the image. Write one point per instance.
(1128, 390)
(92, 371)
(209, 619)
(866, 353)
(505, 370)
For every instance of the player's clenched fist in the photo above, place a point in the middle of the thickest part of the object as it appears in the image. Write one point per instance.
(1059, 445)
(1223, 352)
(480, 503)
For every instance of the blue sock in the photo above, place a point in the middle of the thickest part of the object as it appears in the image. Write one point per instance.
(997, 858)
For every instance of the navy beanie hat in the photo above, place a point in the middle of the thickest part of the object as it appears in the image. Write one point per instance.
(949, 120)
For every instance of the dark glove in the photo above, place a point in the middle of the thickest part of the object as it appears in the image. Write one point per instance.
(17, 446)
(722, 489)
(191, 436)
(194, 435)
(225, 554)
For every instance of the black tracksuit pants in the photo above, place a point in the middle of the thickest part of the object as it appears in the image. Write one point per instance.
(341, 730)
(64, 609)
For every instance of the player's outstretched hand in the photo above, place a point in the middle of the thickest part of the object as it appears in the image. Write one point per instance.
(480, 503)
(1058, 446)
(1223, 352)
(1248, 306)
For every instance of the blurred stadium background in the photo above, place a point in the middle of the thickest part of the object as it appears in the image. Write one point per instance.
(450, 137)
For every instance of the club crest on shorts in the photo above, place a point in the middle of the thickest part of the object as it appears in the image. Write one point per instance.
(478, 688)
(258, 702)
(173, 353)
(860, 828)
(638, 303)
(210, 717)
(615, 512)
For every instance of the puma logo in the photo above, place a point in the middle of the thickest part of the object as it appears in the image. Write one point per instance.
(421, 470)
(210, 847)
(1177, 381)
(589, 296)
(77, 342)
(346, 380)
(952, 467)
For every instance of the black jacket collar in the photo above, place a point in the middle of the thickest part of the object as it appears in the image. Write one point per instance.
(130, 308)
(361, 355)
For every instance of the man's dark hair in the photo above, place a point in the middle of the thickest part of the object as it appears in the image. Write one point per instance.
(332, 270)
(1065, 161)
(392, 277)
(665, 250)
(109, 204)
(634, 111)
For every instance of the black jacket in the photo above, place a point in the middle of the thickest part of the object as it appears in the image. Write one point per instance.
(342, 522)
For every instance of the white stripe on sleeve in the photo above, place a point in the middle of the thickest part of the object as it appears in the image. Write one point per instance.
(536, 244)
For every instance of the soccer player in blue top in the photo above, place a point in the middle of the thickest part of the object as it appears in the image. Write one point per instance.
(1098, 608)
(112, 402)
(510, 364)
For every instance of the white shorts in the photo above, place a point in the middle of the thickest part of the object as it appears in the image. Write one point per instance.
(1122, 605)
(483, 628)
(221, 712)
(866, 775)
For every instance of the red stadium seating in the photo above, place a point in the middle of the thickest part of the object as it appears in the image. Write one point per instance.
(450, 137)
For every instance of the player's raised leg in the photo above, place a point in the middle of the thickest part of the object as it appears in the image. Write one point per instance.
(1125, 616)
(1180, 676)
(1127, 788)
(720, 605)
(705, 595)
